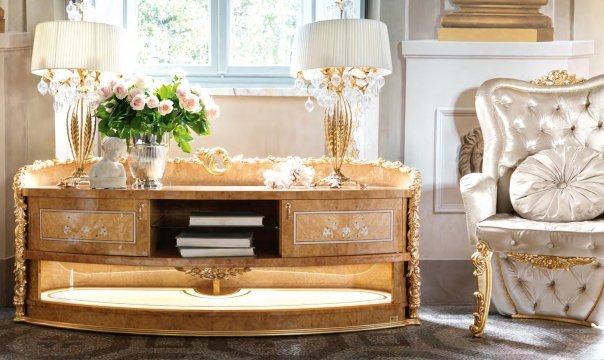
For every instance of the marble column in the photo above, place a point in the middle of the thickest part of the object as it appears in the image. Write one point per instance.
(496, 20)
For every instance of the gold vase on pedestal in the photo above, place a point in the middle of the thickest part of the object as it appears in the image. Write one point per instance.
(496, 20)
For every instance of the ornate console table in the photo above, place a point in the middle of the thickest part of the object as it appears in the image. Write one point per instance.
(326, 260)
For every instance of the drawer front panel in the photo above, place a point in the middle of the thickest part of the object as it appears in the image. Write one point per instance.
(89, 226)
(341, 227)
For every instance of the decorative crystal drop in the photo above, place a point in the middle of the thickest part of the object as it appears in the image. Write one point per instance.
(330, 100)
(380, 81)
(375, 90)
(366, 100)
(309, 105)
(57, 106)
(75, 78)
(317, 79)
(336, 80)
(370, 78)
(299, 84)
(71, 8)
(54, 85)
(89, 83)
(42, 87)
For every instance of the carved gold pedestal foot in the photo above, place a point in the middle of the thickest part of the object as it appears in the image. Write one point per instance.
(216, 275)
(217, 290)
(78, 178)
(336, 180)
(483, 272)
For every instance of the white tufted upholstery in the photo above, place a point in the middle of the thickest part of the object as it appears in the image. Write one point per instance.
(508, 232)
(519, 119)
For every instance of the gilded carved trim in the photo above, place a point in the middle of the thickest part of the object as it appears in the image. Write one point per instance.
(470, 152)
(481, 260)
(558, 78)
(551, 262)
(212, 273)
(208, 158)
(20, 270)
(413, 275)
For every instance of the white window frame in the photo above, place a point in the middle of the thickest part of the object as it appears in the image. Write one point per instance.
(219, 73)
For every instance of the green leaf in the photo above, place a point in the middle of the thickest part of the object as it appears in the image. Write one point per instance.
(185, 146)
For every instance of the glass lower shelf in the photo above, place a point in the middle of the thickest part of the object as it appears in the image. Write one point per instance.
(190, 299)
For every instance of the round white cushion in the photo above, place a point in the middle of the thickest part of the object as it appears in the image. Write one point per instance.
(561, 184)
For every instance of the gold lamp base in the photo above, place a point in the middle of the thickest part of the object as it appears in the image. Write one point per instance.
(78, 178)
(336, 180)
(338, 131)
(81, 127)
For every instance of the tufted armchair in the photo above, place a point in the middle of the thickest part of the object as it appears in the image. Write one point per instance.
(534, 269)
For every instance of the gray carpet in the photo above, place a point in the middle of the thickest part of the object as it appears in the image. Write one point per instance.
(443, 334)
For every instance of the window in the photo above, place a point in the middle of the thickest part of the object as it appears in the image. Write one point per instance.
(217, 42)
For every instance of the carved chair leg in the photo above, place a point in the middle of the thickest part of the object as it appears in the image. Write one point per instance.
(483, 272)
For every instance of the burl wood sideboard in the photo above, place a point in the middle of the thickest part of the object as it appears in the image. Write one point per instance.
(327, 260)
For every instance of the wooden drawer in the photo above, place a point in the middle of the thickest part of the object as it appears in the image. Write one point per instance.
(89, 226)
(341, 227)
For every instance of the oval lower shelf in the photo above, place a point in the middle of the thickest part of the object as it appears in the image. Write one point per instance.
(190, 299)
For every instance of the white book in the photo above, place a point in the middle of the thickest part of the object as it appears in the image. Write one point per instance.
(215, 252)
(225, 218)
(220, 240)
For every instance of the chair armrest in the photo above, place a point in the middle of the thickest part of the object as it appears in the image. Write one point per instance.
(479, 194)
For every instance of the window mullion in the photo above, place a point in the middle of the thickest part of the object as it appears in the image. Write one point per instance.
(222, 38)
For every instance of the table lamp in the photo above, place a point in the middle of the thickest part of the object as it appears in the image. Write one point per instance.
(71, 57)
(342, 63)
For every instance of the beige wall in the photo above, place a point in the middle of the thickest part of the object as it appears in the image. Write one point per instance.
(26, 124)
(588, 16)
(391, 107)
(258, 126)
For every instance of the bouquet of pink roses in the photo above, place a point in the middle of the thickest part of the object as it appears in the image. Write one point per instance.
(142, 108)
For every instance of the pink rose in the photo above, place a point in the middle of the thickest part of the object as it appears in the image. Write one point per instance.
(135, 91)
(104, 92)
(152, 102)
(138, 102)
(213, 111)
(182, 92)
(165, 107)
(120, 90)
(190, 103)
(141, 81)
(197, 90)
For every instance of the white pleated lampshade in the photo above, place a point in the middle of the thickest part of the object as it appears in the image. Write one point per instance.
(79, 45)
(341, 43)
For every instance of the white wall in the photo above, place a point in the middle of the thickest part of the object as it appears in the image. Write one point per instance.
(588, 15)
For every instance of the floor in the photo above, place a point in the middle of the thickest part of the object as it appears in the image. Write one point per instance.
(443, 334)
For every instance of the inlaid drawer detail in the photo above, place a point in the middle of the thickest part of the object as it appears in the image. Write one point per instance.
(341, 227)
(90, 226)
(345, 226)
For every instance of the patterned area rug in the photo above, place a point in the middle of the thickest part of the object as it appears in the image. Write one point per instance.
(443, 334)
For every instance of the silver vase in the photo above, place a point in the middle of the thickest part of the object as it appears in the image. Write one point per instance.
(147, 160)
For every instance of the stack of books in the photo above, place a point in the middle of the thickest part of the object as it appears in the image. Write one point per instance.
(197, 244)
(231, 218)
(228, 243)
